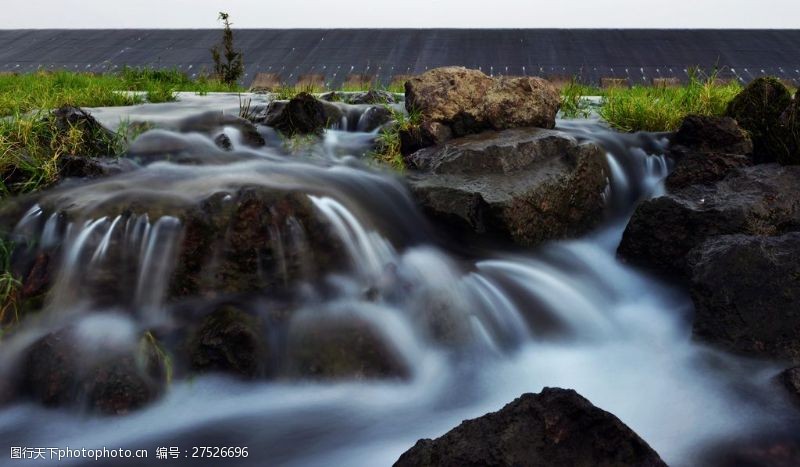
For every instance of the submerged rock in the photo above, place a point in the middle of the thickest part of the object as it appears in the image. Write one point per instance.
(57, 372)
(555, 427)
(530, 185)
(340, 347)
(758, 200)
(746, 291)
(468, 101)
(758, 109)
(231, 341)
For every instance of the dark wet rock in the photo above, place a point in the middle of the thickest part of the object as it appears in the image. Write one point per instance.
(746, 291)
(223, 142)
(86, 167)
(554, 427)
(468, 101)
(770, 450)
(530, 185)
(57, 373)
(50, 371)
(424, 135)
(340, 347)
(120, 386)
(213, 123)
(95, 140)
(231, 341)
(373, 96)
(790, 120)
(193, 149)
(303, 114)
(706, 149)
(712, 135)
(254, 240)
(758, 109)
(790, 379)
(373, 118)
(758, 200)
(704, 168)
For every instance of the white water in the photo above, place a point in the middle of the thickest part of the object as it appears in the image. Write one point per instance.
(566, 315)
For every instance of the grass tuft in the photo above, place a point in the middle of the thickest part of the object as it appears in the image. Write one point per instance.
(664, 108)
(387, 145)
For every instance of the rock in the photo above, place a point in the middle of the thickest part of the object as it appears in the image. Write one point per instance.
(529, 185)
(57, 373)
(790, 379)
(468, 101)
(712, 135)
(340, 347)
(255, 240)
(770, 450)
(231, 341)
(758, 200)
(374, 118)
(50, 371)
(303, 114)
(424, 135)
(790, 120)
(213, 123)
(86, 167)
(95, 140)
(554, 427)
(746, 291)
(120, 386)
(758, 109)
(700, 168)
(706, 149)
(372, 97)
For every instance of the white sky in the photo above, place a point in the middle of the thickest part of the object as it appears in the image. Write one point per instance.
(402, 13)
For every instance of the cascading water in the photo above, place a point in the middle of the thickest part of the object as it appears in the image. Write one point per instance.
(473, 334)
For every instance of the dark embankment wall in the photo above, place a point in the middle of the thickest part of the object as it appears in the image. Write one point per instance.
(637, 55)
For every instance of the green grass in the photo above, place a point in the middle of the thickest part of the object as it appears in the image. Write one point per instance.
(573, 104)
(9, 287)
(664, 108)
(30, 142)
(387, 147)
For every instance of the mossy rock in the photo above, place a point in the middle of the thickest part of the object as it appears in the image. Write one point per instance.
(229, 341)
(758, 109)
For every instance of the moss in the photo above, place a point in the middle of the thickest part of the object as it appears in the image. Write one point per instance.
(758, 109)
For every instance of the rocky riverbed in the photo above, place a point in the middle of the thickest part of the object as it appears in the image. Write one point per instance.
(254, 276)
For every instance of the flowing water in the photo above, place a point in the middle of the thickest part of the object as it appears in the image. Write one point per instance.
(475, 328)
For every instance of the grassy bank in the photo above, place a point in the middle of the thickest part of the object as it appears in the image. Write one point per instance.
(652, 108)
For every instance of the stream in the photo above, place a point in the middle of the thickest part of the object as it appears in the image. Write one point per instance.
(474, 327)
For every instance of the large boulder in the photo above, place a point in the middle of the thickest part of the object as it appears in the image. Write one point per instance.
(746, 291)
(757, 200)
(530, 185)
(758, 109)
(468, 101)
(555, 427)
